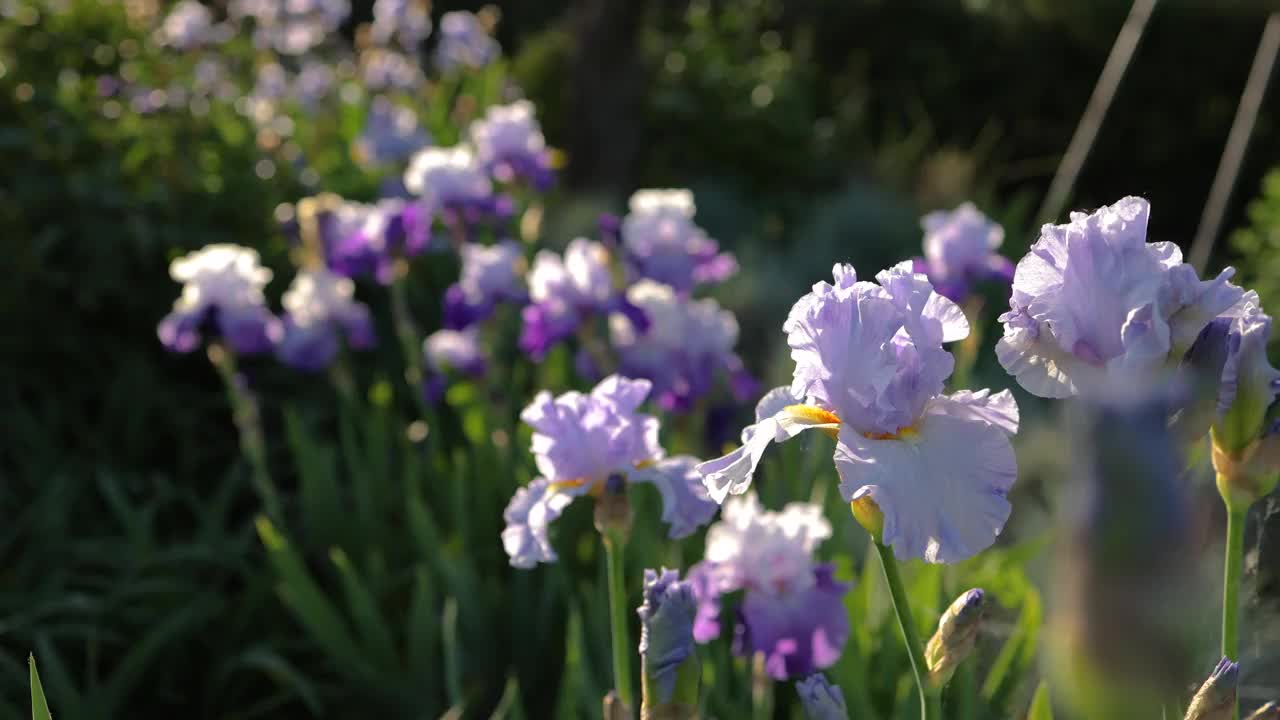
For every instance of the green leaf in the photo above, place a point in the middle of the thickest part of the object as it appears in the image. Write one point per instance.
(364, 610)
(39, 706)
(1041, 706)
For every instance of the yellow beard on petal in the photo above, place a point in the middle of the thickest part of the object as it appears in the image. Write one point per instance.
(817, 416)
(906, 432)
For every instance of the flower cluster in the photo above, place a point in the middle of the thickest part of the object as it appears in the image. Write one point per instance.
(792, 608)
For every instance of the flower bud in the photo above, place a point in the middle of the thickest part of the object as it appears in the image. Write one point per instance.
(1216, 698)
(613, 509)
(669, 668)
(821, 699)
(1270, 711)
(1248, 384)
(956, 635)
(868, 514)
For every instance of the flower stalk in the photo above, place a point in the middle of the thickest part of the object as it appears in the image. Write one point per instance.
(1234, 563)
(614, 544)
(248, 422)
(930, 697)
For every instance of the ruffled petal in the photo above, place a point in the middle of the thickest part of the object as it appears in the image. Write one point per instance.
(999, 409)
(731, 474)
(624, 393)
(706, 590)
(1034, 359)
(942, 489)
(799, 631)
(686, 506)
(529, 516)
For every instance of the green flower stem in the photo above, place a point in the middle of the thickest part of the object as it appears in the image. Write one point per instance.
(1231, 583)
(248, 421)
(930, 699)
(622, 647)
(410, 341)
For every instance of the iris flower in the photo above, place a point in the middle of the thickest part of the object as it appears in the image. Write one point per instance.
(580, 441)
(870, 369)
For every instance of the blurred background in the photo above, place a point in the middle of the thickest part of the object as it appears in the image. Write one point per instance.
(811, 132)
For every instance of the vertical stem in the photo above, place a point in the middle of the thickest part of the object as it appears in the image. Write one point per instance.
(1231, 584)
(613, 547)
(930, 701)
(761, 689)
(244, 412)
(410, 342)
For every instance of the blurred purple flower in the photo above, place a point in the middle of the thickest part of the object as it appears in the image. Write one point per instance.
(821, 699)
(291, 27)
(490, 274)
(384, 69)
(960, 249)
(686, 345)
(663, 243)
(1092, 297)
(391, 133)
(319, 307)
(666, 634)
(365, 240)
(454, 182)
(451, 352)
(188, 26)
(792, 608)
(407, 22)
(221, 295)
(464, 42)
(509, 143)
(564, 292)
(869, 359)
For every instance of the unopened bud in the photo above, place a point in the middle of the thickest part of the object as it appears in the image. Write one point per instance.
(613, 509)
(1216, 698)
(821, 699)
(670, 673)
(1248, 384)
(1250, 474)
(957, 632)
(1270, 711)
(1202, 366)
(867, 513)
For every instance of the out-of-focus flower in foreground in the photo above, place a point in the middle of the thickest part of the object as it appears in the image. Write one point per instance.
(792, 608)
(663, 243)
(1216, 698)
(320, 308)
(956, 635)
(580, 442)
(1093, 298)
(221, 295)
(870, 370)
(821, 699)
(1123, 620)
(960, 250)
(686, 345)
(669, 667)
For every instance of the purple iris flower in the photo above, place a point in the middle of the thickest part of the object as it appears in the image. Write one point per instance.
(792, 608)
(579, 441)
(407, 22)
(490, 274)
(365, 240)
(465, 42)
(1093, 297)
(453, 181)
(509, 143)
(870, 370)
(663, 243)
(687, 344)
(564, 293)
(391, 133)
(221, 295)
(666, 631)
(960, 249)
(449, 354)
(320, 309)
(821, 699)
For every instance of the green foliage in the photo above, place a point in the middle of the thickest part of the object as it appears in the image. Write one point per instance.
(39, 706)
(1258, 244)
